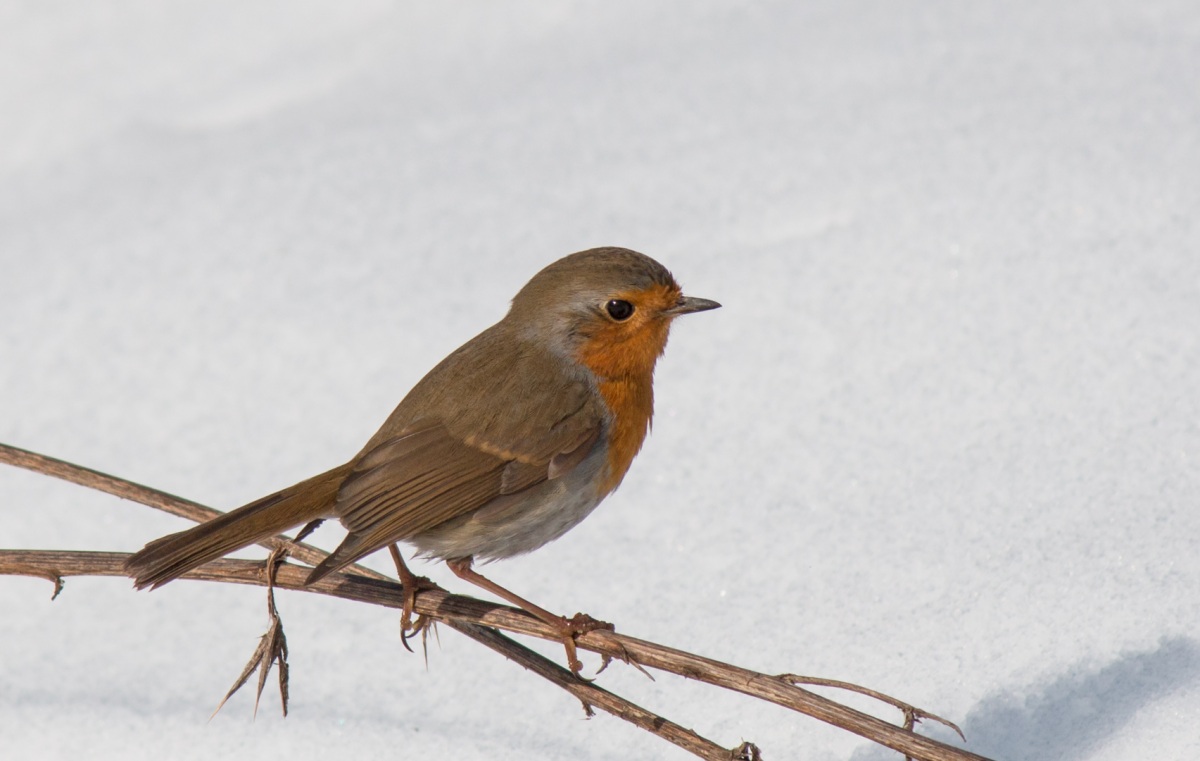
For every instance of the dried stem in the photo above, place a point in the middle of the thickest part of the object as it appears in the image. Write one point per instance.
(470, 618)
(478, 619)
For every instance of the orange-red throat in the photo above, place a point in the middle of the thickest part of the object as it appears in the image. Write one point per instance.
(622, 354)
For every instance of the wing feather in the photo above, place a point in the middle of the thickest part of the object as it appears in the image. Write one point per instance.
(443, 454)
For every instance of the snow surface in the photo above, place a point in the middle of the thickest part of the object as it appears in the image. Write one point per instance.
(943, 439)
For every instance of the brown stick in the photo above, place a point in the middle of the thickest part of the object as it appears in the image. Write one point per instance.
(592, 695)
(68, 564)
(55, 564)
(151, 497)
(364, 585)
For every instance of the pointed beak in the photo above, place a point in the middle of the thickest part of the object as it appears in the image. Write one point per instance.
(689, 304)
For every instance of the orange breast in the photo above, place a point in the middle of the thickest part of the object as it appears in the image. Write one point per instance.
(623, 355)
(631, 401)
(626, 376)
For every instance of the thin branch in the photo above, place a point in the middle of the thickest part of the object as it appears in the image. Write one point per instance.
(56, 564)
(459, 609)
(591, 695)
(66, 564)
(151, 497)
(364, 585)
(912, 714)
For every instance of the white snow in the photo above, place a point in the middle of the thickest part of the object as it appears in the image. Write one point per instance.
(942, 440)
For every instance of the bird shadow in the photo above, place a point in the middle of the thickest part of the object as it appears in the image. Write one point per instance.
(1070, 715)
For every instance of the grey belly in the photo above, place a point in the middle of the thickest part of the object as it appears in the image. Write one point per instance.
(518, 523)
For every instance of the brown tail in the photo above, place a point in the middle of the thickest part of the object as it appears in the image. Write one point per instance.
(173, 555)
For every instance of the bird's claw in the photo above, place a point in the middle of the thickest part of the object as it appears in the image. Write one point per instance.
(409, 628)
(580, 623)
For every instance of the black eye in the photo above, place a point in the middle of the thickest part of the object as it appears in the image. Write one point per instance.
(619, 310)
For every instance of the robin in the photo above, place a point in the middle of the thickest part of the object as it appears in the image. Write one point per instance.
(504, 446)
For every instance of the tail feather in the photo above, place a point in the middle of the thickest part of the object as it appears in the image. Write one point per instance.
(173, 555)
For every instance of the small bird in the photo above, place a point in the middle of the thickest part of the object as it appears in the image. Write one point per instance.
(505, 445)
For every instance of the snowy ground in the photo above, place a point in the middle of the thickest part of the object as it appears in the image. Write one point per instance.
(943, 439)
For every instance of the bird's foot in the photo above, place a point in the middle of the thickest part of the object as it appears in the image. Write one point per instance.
(580, 623)
(412, 585)
(408, 627)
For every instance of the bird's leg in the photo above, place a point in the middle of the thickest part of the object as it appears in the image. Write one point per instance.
(412, 584)
(570, 628)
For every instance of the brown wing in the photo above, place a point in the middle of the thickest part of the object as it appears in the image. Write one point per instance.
(419, 473)
(419, 480)
(426, 477)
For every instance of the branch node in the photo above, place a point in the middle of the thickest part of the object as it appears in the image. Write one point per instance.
(49, 574)
(747, 751)
(912, 714)
(622, 654)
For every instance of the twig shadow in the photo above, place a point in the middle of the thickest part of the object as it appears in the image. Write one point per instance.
(1068, 717)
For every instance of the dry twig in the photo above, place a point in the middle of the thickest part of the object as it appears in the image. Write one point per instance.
(478, 620)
